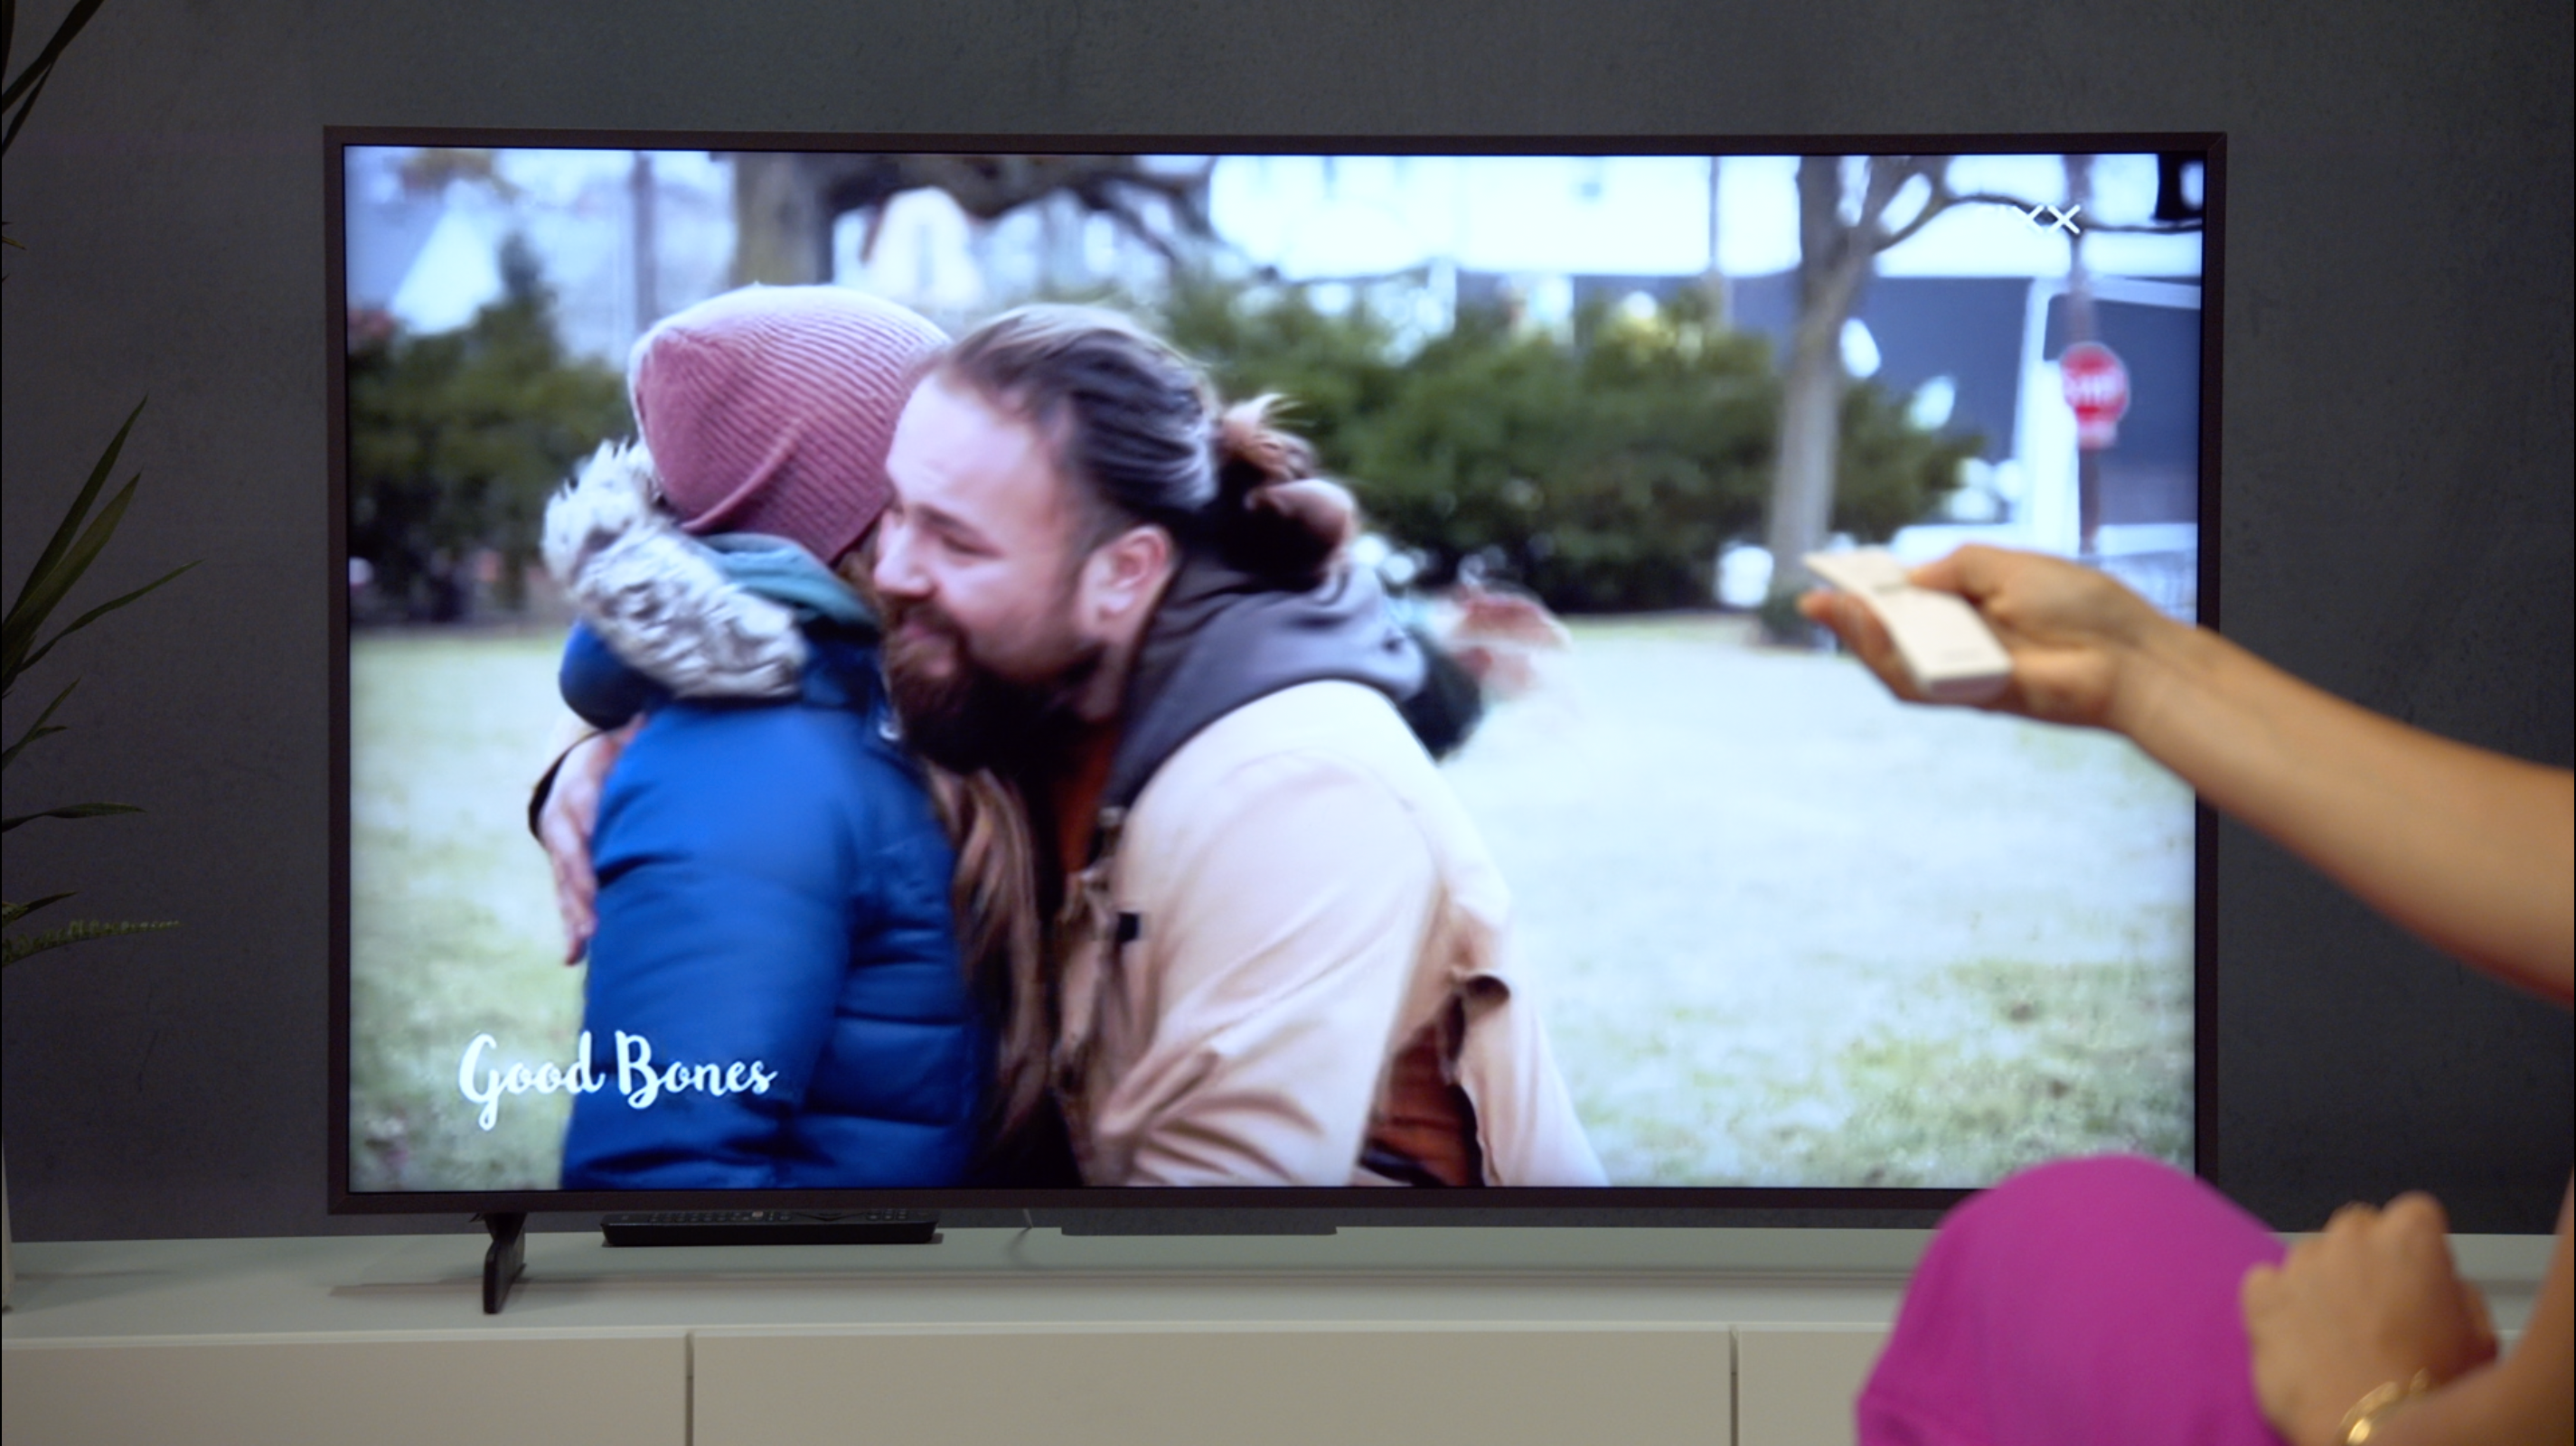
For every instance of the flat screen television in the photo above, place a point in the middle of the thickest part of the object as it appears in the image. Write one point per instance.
(1789, 943)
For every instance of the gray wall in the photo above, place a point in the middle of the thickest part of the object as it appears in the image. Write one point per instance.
(2395, 520)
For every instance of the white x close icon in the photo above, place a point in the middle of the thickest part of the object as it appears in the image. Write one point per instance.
(2060, 220)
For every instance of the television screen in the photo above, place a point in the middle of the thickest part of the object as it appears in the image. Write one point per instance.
(1601, 868)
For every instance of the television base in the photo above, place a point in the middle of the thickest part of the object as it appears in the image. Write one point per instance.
(772, 1227)
(1195, 1222)
(507, 1259)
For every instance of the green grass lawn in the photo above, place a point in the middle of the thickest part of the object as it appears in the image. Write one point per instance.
(1784, 929)
(451, 908)
(1787, 930)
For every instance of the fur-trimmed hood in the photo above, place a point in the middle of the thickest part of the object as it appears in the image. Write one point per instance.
(675, 607)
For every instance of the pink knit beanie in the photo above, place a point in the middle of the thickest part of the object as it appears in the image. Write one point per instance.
(769, 409)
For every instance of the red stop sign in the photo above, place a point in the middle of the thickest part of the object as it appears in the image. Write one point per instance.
(2097, 387)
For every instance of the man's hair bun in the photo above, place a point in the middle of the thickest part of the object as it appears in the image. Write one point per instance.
(1273, 516)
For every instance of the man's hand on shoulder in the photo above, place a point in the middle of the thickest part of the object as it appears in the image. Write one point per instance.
(564, 823)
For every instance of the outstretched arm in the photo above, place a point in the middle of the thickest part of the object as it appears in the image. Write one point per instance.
(2472, 851)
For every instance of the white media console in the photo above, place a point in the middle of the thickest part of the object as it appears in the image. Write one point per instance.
(1480, 1337)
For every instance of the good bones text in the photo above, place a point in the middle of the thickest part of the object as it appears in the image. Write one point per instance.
(637, 1079)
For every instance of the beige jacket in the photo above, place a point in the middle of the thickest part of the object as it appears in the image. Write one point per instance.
(1293, 895)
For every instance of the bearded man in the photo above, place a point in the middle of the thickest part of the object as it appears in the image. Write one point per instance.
(1278, 950)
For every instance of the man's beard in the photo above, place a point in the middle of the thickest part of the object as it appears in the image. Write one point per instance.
(962, 715)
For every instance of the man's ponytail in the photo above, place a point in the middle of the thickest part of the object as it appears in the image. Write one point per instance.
(1273, 517)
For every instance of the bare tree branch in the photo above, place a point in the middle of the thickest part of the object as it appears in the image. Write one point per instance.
(2105, 228)
(1108, 203)
(1943, 199)
(786, 230)
(1990, 198)
(1939, 201)
(988, 188)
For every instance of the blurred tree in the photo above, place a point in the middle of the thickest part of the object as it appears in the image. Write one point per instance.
(430, 169)
(1600, 476)
(1843, 225)
(1603, 474)
(785, 204)
(1889, 472)
(1336, 369)
(456, 439)
(1850, 210)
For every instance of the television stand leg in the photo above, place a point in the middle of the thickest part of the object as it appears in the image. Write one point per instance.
(508, 1256)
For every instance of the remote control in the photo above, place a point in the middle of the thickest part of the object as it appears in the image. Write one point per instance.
(772, 1227)
(1949, 651)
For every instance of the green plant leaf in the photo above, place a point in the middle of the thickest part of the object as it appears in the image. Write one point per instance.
(43, 594)
(20, 119)
(69, 810)
(69, 527)
(30, 736)
(38, 729)
(94, 614)
(12, 913)
(32, 80)
(78, 931)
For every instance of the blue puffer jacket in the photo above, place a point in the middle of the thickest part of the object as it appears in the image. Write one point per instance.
(774, 930)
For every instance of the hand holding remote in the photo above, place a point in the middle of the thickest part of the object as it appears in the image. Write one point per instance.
(1944, 650)
(2074, 636)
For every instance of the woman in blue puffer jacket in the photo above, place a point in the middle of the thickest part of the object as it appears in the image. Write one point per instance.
(775, 996)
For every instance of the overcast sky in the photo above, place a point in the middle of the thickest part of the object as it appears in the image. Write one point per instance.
(1649, 215)
(1348, 216)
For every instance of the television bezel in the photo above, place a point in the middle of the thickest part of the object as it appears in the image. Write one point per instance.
(1814, 1206)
